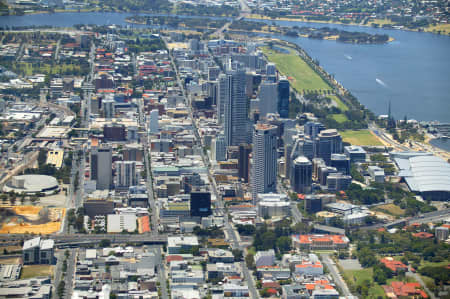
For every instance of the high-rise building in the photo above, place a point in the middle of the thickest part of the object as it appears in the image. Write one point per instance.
(341, 162)
(126, 174)
(219, 149)
(268, 96)
(328, 142)
(154, 127)
(109, 108)
(101, 167)
(233, 101)
(244, 161)
(200, 204)
(301, 175)
(264, 168)
(283, 98)
(271, 69)
(213, 73)
(338, 181)
(114, 132)
(312, 129)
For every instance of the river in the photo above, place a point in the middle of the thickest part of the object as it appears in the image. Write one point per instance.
(412, 72)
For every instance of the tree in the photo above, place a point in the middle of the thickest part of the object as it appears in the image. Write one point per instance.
(284, 244)
(250, 261)
(238, 255)
(104, 243)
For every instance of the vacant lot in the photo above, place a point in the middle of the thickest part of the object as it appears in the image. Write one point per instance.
(391, 209)
(302, 77)
(36, 270)
(360, 137)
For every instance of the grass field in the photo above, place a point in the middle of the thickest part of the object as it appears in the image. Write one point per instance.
(291, 65)
(356, 277)
(339, 103)
(391, 209)
(360, 137)
(36, 270)
(443, 28)
(340, 118)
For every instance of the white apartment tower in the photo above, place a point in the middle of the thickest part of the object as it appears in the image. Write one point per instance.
(264, 167)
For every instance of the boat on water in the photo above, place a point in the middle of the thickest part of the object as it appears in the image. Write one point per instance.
(348, 57)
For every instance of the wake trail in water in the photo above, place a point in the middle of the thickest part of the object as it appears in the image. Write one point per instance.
(379, 81)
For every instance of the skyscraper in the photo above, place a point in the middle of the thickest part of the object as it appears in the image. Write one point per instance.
(233, 104)
(264, 168)
(301, 175)
(268, 96)
(283, 98)
(312, 129)
(218, 149)
(243, 161)
(101, 167)
(126, 174)
(200, 204)
(328, 142)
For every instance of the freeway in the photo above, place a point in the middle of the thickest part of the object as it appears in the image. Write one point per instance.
(423, 218)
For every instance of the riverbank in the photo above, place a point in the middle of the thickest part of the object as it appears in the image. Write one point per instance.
(443, 28)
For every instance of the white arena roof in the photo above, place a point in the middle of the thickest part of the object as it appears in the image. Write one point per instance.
(424, 172)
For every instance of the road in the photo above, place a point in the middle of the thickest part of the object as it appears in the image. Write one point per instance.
(337, 278)
(422, 283)
(382, 135)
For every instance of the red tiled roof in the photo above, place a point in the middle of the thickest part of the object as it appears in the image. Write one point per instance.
(423, 235)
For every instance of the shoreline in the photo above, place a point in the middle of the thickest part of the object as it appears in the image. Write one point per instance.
(250, 16)
(302, 19)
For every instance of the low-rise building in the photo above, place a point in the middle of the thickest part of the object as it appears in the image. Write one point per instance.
(37, 251)
(320, 242)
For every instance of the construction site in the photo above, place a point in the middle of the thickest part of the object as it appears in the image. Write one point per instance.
(30, 219)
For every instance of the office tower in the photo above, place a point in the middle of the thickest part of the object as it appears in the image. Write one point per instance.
(219, 149)
(301, 175)
(323, 173)
(317, 164)
(328, 142)
(244, 161)
(213, 73)
(101, 167)
(154, 127)
(283, 98)
(268, 96)
(114, 132)
(341, 162)
(132, 152)
(95, 105)
(271, 69)
(190, 182)
(235, 107)
(264, 168)
(109, 108)
(338, 181)
(287, 159)
(312, 129)
(132, 133)
(200, 204)
(126, 174)
(355, 153)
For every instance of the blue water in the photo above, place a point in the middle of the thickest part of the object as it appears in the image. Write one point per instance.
(442, 143)
(413, 72)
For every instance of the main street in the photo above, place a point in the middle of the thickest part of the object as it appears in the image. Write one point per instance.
(337, 278)
(231, 233)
